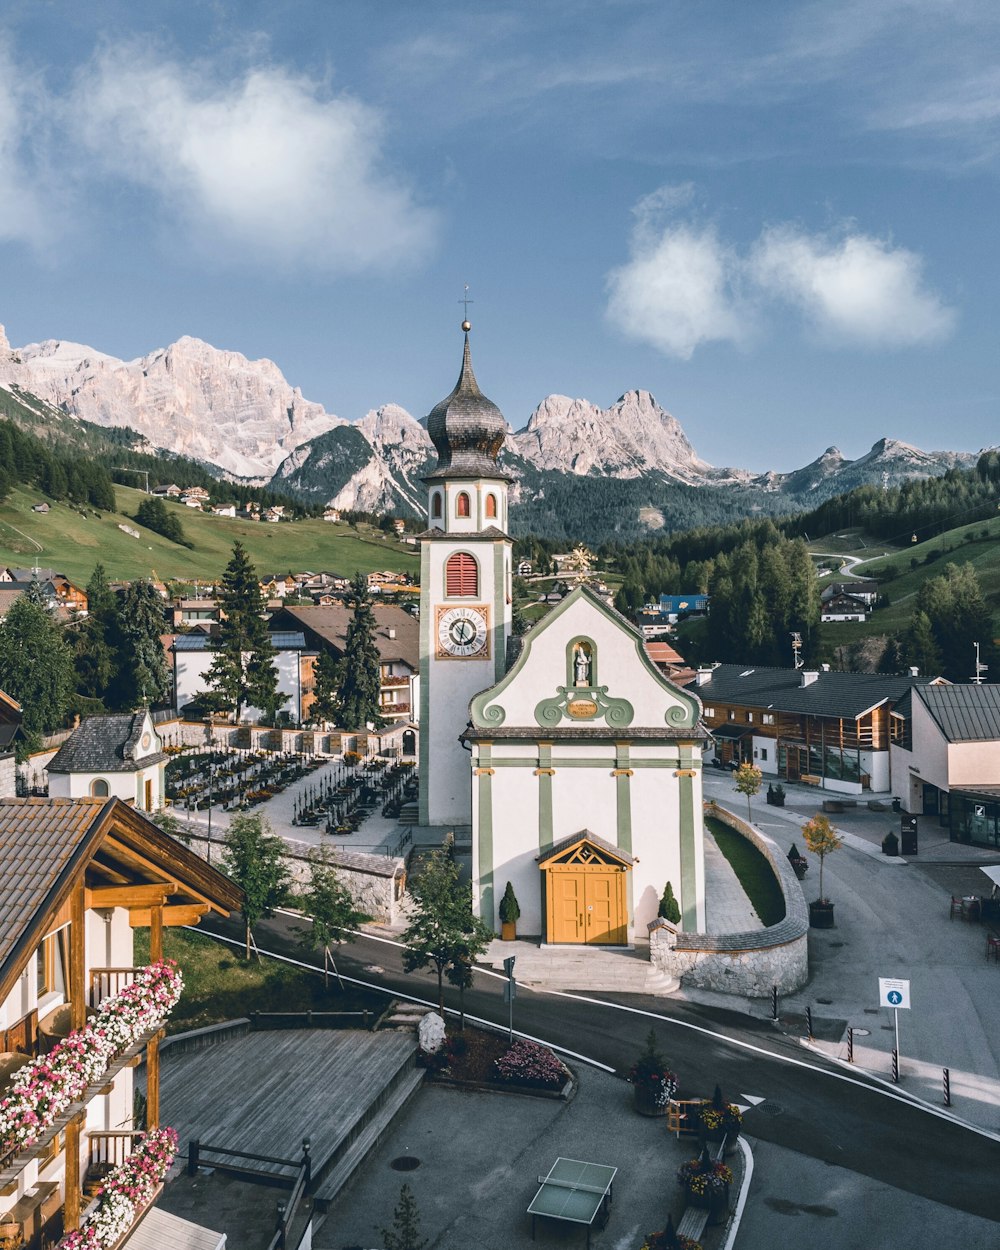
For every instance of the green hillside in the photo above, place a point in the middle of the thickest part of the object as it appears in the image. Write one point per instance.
(72, 540)
(902, 573)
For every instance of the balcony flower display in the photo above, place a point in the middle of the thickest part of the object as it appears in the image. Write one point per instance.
(44, 1088)
(127, 1190)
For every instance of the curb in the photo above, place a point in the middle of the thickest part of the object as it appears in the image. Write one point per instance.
(733, 1227)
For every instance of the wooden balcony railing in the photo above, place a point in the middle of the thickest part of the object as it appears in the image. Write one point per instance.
(107, 982)
(109, 1150)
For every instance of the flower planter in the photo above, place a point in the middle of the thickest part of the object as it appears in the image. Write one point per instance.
(714, 1201)
(821, 914)
(508, 930)
(644, 1099)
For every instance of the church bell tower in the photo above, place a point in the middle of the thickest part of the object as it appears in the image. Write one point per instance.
(465, 589)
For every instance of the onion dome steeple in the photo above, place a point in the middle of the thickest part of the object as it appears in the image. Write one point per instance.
(467, 429)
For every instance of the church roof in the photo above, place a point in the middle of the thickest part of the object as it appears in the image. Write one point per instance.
(466, 428)
(104, 744)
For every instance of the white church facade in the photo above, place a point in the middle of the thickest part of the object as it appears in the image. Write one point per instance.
(578, 766)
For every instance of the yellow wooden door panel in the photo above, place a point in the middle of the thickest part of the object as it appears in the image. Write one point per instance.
(600, 905)
(568, 909)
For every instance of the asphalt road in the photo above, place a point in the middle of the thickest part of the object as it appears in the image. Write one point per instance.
(810, 1105)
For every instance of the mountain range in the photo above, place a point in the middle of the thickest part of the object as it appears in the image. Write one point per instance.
(578, 470)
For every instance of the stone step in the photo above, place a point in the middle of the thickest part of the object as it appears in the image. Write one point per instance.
(591, 970)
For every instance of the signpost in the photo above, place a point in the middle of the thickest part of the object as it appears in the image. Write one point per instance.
(908, 834)
(509, 994)
(894, 993)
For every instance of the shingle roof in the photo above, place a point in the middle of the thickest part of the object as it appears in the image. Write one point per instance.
(328, 625)
(564, 844)
(965, 713)
(38, 838)
(104, 744)
(831, 694)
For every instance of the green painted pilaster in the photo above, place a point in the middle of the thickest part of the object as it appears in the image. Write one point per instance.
(485, 830)
(499, 613)
(544, 774)
(425, 684)
(689, 879)
(623, 785)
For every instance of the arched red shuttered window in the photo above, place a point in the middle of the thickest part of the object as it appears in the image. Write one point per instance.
(436, 506)
(491, 505)
(461, 575)
(463, 506)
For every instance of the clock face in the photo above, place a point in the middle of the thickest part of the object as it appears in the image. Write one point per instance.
(463, 633)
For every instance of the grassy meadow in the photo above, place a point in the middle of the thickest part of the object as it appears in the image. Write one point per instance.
(72, 540)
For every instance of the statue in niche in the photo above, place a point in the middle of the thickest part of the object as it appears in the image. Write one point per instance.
(581, 664)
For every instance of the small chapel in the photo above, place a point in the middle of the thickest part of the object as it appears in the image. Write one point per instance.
(574, 761)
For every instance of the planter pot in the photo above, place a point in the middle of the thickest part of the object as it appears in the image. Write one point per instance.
(644, 1101)
(732, 1138)
(508, 930)
(715, 1202)
(821, 915)
(800, 868)
(712, 1135)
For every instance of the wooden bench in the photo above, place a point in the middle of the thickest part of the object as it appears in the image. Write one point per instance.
(808, 779)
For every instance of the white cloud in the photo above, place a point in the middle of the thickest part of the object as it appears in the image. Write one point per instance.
(852, 289)
(24, 216)
(676, 291)
(268, 161)
(683, 286)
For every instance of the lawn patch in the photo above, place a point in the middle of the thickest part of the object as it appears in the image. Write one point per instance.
(755, 874)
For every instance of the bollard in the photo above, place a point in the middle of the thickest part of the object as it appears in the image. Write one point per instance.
(947, 1087)
(774, 1002)
(809, 1023)
(895, 1066)
(850, 1045)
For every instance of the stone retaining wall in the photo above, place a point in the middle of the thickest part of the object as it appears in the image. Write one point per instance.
(749, 963)
(376, 882)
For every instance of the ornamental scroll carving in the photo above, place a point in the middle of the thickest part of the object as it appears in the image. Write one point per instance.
(590, 703)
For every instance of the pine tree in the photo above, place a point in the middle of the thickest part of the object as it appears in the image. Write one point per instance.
(405, 1231)
(243, 671)
(357, 699)
(96, 640)
(36, 669)
(326, 684)
(143, 675)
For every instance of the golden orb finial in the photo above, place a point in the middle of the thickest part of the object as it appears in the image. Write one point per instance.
(466, 326)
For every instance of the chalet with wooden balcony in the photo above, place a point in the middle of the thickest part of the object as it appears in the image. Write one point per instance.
(77, 878)
(823, 728)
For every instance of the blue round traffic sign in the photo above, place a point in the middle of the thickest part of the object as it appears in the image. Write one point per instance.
(894, 997)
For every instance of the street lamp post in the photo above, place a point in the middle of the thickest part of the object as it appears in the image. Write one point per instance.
(208, 728)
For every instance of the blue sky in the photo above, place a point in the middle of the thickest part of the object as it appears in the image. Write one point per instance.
(780, 218)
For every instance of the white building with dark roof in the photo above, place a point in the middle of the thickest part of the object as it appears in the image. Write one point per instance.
(192, 654)
(946, 759)
(119, 755)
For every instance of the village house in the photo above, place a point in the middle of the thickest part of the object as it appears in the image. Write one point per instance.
(191, 657)
(810, 725)
(77, 878)
(397, 639)
(120, 754)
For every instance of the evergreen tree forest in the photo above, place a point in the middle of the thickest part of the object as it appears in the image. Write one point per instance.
(27, 461)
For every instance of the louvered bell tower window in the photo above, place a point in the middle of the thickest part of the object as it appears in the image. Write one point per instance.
(462, 576)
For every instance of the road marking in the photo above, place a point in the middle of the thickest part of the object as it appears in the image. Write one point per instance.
(753, 1099)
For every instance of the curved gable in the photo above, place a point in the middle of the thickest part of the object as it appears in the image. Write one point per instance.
(584, 667)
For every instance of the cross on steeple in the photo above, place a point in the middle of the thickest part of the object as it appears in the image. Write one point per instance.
(466, 301)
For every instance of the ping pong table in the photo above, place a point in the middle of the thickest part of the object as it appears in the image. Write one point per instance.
(574, 1191)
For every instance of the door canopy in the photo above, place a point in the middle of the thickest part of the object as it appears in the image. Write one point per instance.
(583, 850)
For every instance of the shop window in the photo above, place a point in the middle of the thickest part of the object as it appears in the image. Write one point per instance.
(463, 505)
(461, 575)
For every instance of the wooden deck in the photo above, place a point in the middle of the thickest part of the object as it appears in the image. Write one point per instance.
(262, 1093)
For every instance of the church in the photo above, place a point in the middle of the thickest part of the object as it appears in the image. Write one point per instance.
(576, 764)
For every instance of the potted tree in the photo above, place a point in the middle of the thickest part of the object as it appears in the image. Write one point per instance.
(748, 778)
(509, 913)
(821, 838)
(653, 1084)
(669, 908)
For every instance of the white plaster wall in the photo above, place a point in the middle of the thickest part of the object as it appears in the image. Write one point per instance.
(190, 668)
(515, 845)
(452, 683)
(191, 678)
(930, 750)
(877, 765)
(770, 745)
(130, 787)
(973, 763)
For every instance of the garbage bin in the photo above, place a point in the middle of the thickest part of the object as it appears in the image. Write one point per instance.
(897, 805)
